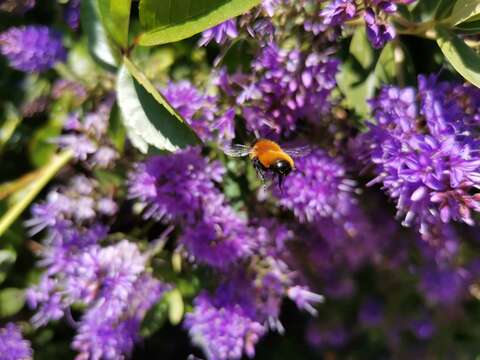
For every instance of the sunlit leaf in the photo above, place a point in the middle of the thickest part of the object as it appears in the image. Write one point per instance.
(361, 49)
(463, 11)
(174, 20)
(11, 301)
(444, 8)
(460, 55)
(148, 117)
(116, 130)
(385, 67)
(115, 15)
(98, 42)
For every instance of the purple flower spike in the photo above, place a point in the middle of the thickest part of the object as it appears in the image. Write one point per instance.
(224, 327)
(32, 48)
(339, 11)
(220, 33)
(378, 32)
(175, 186)
(12, 344)
(318, 189)
(421, 153)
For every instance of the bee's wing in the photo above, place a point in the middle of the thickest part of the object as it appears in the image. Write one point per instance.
(298, 151)
(237, 150)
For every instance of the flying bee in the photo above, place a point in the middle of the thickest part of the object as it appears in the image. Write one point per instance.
(268, 156)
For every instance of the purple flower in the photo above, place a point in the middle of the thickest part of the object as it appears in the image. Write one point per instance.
(371, 313)
(304, 298)
(334, 337)
(223, 325)
(46, 300)
(285, 88)
(221, 238)
(220, 33)
(104, 157)
(79, 202)
(270, 6)
(422, 156)
(442, 285)
(175, 186)
(62, 87)
(81, 145)
(339, 11)
(98, 339)
(317, 189)
(86, 137)
(72, 14)
(104, 277)
(32, 48)
(197, 109)
(423, 329)
(12, 344)
(378, 31)
(101, 337)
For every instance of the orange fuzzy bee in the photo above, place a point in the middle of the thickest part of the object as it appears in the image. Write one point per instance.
(267, 155)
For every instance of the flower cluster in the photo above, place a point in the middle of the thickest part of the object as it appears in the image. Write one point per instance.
(375, 14)
(318, 188)
(110, 282)
(32, 48)
(12, 344)
(224, 325)
(86, 137)
(231, 321)
(201, 112)
(182, 187)
(220, 33)
(423, 155)
(72, 14)
(80, 203)
(285, 89)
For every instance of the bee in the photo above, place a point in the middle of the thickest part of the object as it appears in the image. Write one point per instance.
(268, 156)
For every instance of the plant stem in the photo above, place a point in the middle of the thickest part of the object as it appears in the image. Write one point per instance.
(47, 173)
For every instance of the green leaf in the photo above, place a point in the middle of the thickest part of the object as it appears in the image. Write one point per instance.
(41, 148)
(444, 8)
(469, 27)
(174, 20)
(11, 301)
(175, 306)
(116, 131)
(155, 318)
(385, 68)
(98, 42)
(425, 9)
(361, 49)
(147, 115)
(356, 86)
(463, 11)
(460, 55)
(115, 15)
(7, 259)
(12, 120)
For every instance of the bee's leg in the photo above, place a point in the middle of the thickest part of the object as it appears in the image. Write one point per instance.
(280, 182)
(259, 169)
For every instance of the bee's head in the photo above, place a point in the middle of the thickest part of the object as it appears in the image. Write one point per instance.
(281, 167)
